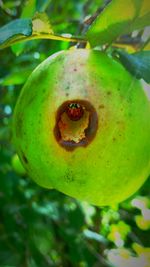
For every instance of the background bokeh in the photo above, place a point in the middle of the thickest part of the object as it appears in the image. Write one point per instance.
(39, 227)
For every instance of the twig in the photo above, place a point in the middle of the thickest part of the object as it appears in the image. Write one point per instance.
(91, 19)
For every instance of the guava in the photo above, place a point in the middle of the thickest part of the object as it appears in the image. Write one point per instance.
(82, 127)
(17, 165)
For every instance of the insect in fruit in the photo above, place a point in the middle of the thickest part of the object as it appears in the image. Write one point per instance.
(75, 111)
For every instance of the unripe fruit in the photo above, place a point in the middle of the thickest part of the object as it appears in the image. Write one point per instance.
(17, 165)
(82, 126)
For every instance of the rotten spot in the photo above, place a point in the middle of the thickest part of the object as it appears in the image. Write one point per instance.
(101, 106)
(76, 124)
(69, 177)
(109, 93)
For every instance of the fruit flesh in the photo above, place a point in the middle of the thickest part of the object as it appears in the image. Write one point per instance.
(116, 162)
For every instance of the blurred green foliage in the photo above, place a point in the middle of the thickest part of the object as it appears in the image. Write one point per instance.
(39, 227)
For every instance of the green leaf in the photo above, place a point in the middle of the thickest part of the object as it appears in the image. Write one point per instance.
(15, 30)
(138, 64)
(28, 11)
(28, 29)
(42, 237)
(15, 77)
(18, 48)
(119, 17)
(42, 5)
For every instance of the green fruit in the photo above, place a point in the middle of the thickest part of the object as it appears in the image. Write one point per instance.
(82, 126)
(17, 165)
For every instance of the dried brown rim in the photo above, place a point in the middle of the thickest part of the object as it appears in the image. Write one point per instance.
(90, 131)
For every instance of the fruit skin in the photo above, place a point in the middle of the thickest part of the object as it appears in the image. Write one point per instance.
(17, 165)
(117, 161)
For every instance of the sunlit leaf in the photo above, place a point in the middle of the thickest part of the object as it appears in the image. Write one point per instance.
(140, 249)
(29, 9)
(119, 17)
(118, 233)
(41, 24)
(142, 223)
(28, 29)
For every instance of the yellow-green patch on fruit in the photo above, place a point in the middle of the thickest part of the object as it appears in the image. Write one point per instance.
(17, 165)
(82, 126)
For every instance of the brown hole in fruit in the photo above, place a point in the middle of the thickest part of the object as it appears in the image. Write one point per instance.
(76, 124)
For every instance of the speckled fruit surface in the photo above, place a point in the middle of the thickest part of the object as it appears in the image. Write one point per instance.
(82, 126)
